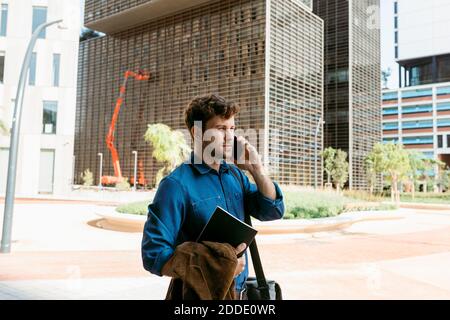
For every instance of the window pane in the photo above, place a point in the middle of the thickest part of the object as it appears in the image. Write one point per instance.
(2, 65)
(418, 109)
(49, 117)
(443, 91)
(32, 74)
(443, 122)
(443, 67)
(4, 20)
(389, 111)
(439, 141)
(39, 17)
(443, 106)
(390, 96)
(418, 140)
(56, 62)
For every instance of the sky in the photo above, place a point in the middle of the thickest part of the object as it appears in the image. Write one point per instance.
(387, 39)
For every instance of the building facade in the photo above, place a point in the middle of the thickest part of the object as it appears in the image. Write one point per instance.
(422, 41)
(45, 160)
(419, 118)
(351, 80)
(418, 113)
(251, 52)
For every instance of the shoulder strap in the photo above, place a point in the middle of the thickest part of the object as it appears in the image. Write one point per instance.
(260, 277)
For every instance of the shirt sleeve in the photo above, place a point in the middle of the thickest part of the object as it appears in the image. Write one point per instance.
(260, 206)
(165, 216)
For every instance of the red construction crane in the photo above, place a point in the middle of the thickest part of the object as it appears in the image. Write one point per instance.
(110, 180)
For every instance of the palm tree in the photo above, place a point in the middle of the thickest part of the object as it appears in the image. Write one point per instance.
(169, 147)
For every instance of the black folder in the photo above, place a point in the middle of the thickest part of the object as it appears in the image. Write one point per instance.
(225, 228)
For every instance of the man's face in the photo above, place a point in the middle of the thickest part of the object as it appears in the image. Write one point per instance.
(218, 138)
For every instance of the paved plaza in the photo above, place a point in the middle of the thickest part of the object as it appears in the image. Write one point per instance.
(57, 254)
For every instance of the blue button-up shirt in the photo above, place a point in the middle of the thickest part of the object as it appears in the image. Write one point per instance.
(186, 199)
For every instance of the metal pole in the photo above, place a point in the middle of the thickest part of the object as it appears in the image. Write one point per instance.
(135, 170)
(73, 172)
(315, 151)
(14, 142)
(101, 171)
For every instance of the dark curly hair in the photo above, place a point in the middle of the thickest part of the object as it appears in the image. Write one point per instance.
(203, 108)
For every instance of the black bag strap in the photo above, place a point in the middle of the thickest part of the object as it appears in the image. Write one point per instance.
(257, 265)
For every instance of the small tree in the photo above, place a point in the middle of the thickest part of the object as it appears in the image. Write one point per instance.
(417, 166)
(394, 163)
(328, 156)
(373, 166)
(87, 178)
(339, 172)
(169, 148)
(429, 168)
(443, 180)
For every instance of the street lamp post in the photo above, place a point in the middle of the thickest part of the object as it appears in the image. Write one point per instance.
(316, 133)
(14, 141)
(101, 170)
(135, 170)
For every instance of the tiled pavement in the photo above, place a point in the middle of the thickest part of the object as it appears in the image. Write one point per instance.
(57, 255)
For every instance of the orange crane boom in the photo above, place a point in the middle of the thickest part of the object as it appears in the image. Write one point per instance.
(109, 180)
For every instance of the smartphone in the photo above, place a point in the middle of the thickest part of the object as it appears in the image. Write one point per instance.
(235, 149)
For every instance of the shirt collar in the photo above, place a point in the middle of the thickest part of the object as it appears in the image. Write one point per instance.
(203, 168)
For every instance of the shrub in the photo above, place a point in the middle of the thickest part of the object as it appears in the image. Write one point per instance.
(87, 178)
(139, 208)
(123, 185)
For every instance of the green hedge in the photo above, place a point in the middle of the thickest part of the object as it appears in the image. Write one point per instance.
(139, 208)
(299, 205)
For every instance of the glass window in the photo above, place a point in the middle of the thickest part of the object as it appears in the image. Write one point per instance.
(396, 37)
(421, 74)
(390, 126)
(56, 63)
(389, 111)
(417, 93)
(417, 109)
(2, 66)
(448, 140)
(418, 140)
(387, 140)
(439, 141)
(389, 96)
(395, 7)
(4, 20)
(443, 68)
(417, 124)
(443, 122)
(396, 52)
(443, 106)
(39, 17)
(32, 74)
(443, 91)
(395, 22)
(49, 117)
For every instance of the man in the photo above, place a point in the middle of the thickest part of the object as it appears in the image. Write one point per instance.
(187, 197)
